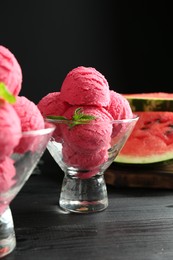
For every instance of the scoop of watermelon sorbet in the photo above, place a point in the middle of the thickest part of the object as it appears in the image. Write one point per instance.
(29, 114)
(119, 107)
(7, 172)
(10, 71)
(91, 136)
(84, 160)
(31, 119)
(10, 129)
(51, 104)
(85, 86)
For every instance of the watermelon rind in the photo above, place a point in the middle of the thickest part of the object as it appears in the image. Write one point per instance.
(127, 159)
(157, 101)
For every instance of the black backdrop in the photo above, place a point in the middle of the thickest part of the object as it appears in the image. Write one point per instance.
(129, 43)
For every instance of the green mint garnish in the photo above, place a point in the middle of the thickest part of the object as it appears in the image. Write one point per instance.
(57, 117)
(78, 118)
(6, 95)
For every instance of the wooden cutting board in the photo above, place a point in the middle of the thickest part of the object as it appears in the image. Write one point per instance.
(158, 175)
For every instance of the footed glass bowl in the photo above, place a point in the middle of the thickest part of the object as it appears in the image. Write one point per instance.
(84, 151)
(14, 172)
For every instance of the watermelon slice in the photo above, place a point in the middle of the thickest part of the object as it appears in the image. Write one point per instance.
(151, 140)
(156, 101)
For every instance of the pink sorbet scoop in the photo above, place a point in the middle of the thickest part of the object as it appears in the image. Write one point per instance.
(10, 129)
(85, 86)
(119, 107)
(91, 136)
(7, 172)
(10, 71)
(84, 160)
(51, 104)
(31, 119)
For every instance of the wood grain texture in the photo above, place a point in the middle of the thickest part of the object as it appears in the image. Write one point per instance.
(145, 176)
(136, 225)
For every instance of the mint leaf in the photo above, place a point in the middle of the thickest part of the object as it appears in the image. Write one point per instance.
(57, 117)
(78, 118)
(6, 95)
(77, 114)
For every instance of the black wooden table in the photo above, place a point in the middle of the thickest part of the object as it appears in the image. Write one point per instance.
(138, 224)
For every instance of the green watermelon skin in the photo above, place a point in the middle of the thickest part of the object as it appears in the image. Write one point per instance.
(156, 101)
(151, 140)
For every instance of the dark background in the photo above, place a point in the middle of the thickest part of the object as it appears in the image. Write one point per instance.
(130, 43)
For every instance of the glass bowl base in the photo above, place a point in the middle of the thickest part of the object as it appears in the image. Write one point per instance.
(7, 245)
(83, 195)
(84, 206)
(7, 233)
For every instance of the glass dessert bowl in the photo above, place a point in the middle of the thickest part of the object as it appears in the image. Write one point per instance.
(84, 150)
(14, 172)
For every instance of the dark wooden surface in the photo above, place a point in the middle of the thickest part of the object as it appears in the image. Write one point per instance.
(138, 224)
(155, 176)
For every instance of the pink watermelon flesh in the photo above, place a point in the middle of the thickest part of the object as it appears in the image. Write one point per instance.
(151, 140)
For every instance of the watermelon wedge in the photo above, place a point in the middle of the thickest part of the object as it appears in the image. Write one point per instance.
(154, 101)
(151, 140)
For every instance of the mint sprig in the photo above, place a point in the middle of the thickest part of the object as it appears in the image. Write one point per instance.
(6, 95)
(78, 118)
